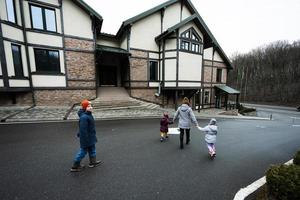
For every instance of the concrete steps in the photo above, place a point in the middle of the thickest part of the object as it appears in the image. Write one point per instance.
(113, 98)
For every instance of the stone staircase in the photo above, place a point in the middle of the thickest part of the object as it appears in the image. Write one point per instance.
(114, 98)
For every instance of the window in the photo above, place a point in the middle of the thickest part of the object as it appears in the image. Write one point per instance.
(206, 97)
(153, 71)
(190, 41)
(47, 60)
(185, 45)
(17, 60)
(43, 18)
(11, 11)
(219, 75)
(195, 47)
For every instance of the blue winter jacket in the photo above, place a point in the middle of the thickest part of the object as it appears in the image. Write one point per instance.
(87, 132)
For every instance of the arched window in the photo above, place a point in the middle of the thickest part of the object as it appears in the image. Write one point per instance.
(191, 41)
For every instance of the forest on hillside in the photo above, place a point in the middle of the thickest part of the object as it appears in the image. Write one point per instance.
(269, 74)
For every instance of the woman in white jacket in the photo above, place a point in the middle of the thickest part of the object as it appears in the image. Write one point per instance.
(186, 116)
(211, 131)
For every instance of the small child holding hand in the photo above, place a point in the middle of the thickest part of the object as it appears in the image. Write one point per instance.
(164, 126)
(210, 131)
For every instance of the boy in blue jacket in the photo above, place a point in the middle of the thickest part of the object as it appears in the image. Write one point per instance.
(87, 136)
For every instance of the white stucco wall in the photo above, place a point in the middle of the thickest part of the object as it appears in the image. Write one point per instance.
(208, 53)
(217, 57)
(144, 31)
(123, 42)
(24, 61)
(170, 84)
(154, 55)
(170, 54)
(190, 66)
(190, 84)
(109, 43)
(3, 14)
(76, 21)
(44, 39)
(18, 13)
(153, 84)
(185, 12)
(27, 17)
(12, 33)
(48, 81)
(170, 44)
(170, 69)
(1, 83)
(18, 83)
(171, 16)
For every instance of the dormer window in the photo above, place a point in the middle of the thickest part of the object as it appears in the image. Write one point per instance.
(191, 41)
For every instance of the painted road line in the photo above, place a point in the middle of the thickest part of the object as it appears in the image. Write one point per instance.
(246, 191)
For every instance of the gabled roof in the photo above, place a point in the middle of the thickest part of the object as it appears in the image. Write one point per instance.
(209, 39)
(90, 11)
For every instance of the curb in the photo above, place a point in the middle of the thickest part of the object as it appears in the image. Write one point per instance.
(246, 191)
(26, 121)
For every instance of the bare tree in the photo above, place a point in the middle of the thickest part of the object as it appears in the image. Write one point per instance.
(269, 74)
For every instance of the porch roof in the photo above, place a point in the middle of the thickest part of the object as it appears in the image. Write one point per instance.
(227, 89)
(111, 49)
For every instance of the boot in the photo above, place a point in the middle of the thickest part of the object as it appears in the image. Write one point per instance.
(77, 167)
(94, 162)
(181, 144)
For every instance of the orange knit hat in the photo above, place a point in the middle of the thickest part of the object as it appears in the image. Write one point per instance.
(85, 103)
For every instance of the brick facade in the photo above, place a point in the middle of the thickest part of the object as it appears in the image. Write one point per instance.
(21, 98)
(138, 69)
(146, 94)
(62, 97)
(78, 44)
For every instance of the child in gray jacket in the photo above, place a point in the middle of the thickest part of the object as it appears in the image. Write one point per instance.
(211, 131)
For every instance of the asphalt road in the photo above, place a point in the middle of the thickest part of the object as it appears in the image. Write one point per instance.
(36, 159)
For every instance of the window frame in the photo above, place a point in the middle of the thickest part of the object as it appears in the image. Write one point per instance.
(219, 75)
(43, 70)
(194, 40)
(14, 10)
(44, 21)
(156, 70)
(19, 71)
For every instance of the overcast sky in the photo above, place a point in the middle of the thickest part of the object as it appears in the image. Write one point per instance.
(238, 25)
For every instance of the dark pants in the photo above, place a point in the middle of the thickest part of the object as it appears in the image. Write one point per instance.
(187, 131)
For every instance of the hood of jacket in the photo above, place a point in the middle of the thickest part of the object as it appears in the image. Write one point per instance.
(184, 108)
(80, 112)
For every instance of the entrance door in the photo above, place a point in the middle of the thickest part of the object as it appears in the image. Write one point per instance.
(108, 76)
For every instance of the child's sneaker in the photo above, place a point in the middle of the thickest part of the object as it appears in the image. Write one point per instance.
(77, 167)
(94, 162)
(167, 136)
(161, 139)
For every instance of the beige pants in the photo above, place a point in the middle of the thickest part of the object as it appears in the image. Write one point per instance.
(163, 134)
